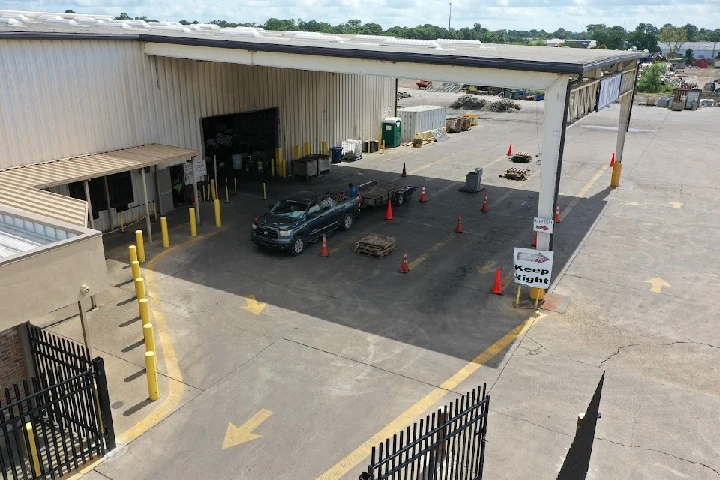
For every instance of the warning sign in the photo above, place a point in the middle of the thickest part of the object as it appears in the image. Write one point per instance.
(532, 267)
(200, 171)
(543, 225)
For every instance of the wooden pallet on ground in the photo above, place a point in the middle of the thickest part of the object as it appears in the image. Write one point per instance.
(375, 245)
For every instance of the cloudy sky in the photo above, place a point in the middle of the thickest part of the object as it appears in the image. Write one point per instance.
(494, 14)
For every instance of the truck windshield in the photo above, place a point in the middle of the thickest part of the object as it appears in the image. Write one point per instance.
(289, 208)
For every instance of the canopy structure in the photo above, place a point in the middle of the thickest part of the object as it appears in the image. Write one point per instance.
(22, 187)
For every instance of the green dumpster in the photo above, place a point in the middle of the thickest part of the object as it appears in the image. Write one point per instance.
(391, 132)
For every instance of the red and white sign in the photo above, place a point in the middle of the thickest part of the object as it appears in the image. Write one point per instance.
(543, 225)
(532, 267)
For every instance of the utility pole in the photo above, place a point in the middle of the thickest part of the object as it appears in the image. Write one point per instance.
(450, 16)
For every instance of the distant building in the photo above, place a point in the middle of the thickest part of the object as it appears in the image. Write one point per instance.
(700, 49)
(559, 42)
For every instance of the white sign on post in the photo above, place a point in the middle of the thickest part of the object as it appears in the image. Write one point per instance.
(200, 171)
(532, 267)
(543, 225)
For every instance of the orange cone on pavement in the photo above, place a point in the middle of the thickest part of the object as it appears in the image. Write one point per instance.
(388, 214)
(557, 213)
(404, 266)
(497, 287)
(324, 251)
(485, 206)
(510, 150)
(423, 195)
(458, 228)
(534, 244)
(404, 173)
(612, 160)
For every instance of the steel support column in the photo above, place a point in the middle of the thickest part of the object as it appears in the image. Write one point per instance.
(555, 107)
(625, 109)
(89, 204)
(195, 191)
(147, 209)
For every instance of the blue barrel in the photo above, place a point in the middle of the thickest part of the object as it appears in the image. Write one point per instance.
(336, 154)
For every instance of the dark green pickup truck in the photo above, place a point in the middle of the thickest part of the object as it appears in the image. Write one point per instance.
(301, 218)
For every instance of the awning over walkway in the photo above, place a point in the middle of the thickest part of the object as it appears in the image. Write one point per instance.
(21, 187)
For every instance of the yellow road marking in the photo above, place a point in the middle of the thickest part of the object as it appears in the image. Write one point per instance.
(487, 268)
(409, 415)
(676, 204)
(657, 284)
(507, 280)
(253, 305)
(432, 250)
(581, 194)
(423, 167)
(244, 433)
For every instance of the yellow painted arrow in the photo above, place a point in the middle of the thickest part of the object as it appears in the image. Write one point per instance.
(244, 433)
(676, 204)
(487, 268)
(253, 305)
(657, 284)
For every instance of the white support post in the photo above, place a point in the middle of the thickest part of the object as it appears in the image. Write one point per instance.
(195, 191)
(89, 203)
(552, 136)
(107, 200)
(147, 209)
(625, 108)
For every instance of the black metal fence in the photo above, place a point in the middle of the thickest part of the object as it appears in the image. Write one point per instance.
(448, 444)
(61, 419)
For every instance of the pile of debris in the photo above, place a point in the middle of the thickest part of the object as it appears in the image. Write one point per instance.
(521, 157)
(518, 174)
(448, 87)
(375, 245)
(401, 95)
(457, 125)
(471, 102)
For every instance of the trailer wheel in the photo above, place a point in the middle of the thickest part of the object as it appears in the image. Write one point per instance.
(406, 196)
(399, 199)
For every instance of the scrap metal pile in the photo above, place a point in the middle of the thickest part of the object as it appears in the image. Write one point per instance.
(521, 157)
(472, 102)
(515, 173)
(375, 245)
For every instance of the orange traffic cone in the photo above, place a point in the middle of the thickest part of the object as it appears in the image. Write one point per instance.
(534, 244)
(404, 173)
(458, 228)
(510, 150)
(612, 160)
(404, 266)
(497, 287)
(485, 206)
(423, 195)
(324, 251)
(557, 213)
(388, 214)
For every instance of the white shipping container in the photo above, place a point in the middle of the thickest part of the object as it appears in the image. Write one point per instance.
(420, 119)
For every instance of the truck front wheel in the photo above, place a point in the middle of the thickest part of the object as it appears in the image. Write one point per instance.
(298, 245)
(347, 222)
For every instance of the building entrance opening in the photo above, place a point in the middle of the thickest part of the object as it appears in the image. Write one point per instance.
(243, 144)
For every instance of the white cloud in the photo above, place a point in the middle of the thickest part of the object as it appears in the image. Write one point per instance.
(494, 14)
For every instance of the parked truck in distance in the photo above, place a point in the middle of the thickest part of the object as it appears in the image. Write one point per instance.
(303, 217)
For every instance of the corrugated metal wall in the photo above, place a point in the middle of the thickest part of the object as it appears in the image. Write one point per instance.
(66, 98)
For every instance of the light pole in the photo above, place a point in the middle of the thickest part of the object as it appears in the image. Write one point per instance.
(450, 16)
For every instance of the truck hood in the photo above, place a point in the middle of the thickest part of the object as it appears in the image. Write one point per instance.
(275, 221)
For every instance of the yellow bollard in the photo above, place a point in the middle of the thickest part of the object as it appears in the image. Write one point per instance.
(121, 221)
(272, 169)
(144, 309)
(132, 250)
(264, 192)
(193, 225)
(165, 234)
(227, 195)
(33, 449)
(149, 337)
(140, 246)
(537, 293)
(213, 192)
(383, 146)
(135, 266)
(279, 159)
(517, 297)
(306, 148)
(139, 288)
(324, 148)
(615, 177)
(217, 213)
(155, 211)
(296, 152)
(152, 380)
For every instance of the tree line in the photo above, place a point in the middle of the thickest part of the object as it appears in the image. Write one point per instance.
(644, 37)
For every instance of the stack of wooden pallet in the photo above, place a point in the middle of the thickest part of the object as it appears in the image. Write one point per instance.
(375, 245)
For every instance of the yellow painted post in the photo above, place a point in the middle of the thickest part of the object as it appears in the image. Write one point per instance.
(165, 234)
(218, 223)
(121, 221)
(152, 380)
(140, 246)
(306, 149)
(272, 167)
(33, 449)
(264, 192)
(383, 146)
(155, 211)
(132, 250)
(193, 225)
(227, 195)
(296, 152)
(144, 310)
(517, 297)
(139, 288)
(537, 293)
(280, 162)
(615, 177)
(135, 269)
(324, 148)
(149, 337)
(213, 192)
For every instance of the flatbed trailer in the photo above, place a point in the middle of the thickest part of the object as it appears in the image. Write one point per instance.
(378, 194)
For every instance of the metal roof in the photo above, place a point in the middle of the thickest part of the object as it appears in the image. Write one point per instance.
(570, 61)
(21, 187)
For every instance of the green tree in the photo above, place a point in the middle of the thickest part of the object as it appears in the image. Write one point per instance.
(651, 78)
(123, 16)
(645, 37)
(691, 31)
(614, 38)
(673, 37)
(688, 57)
(714, 37)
